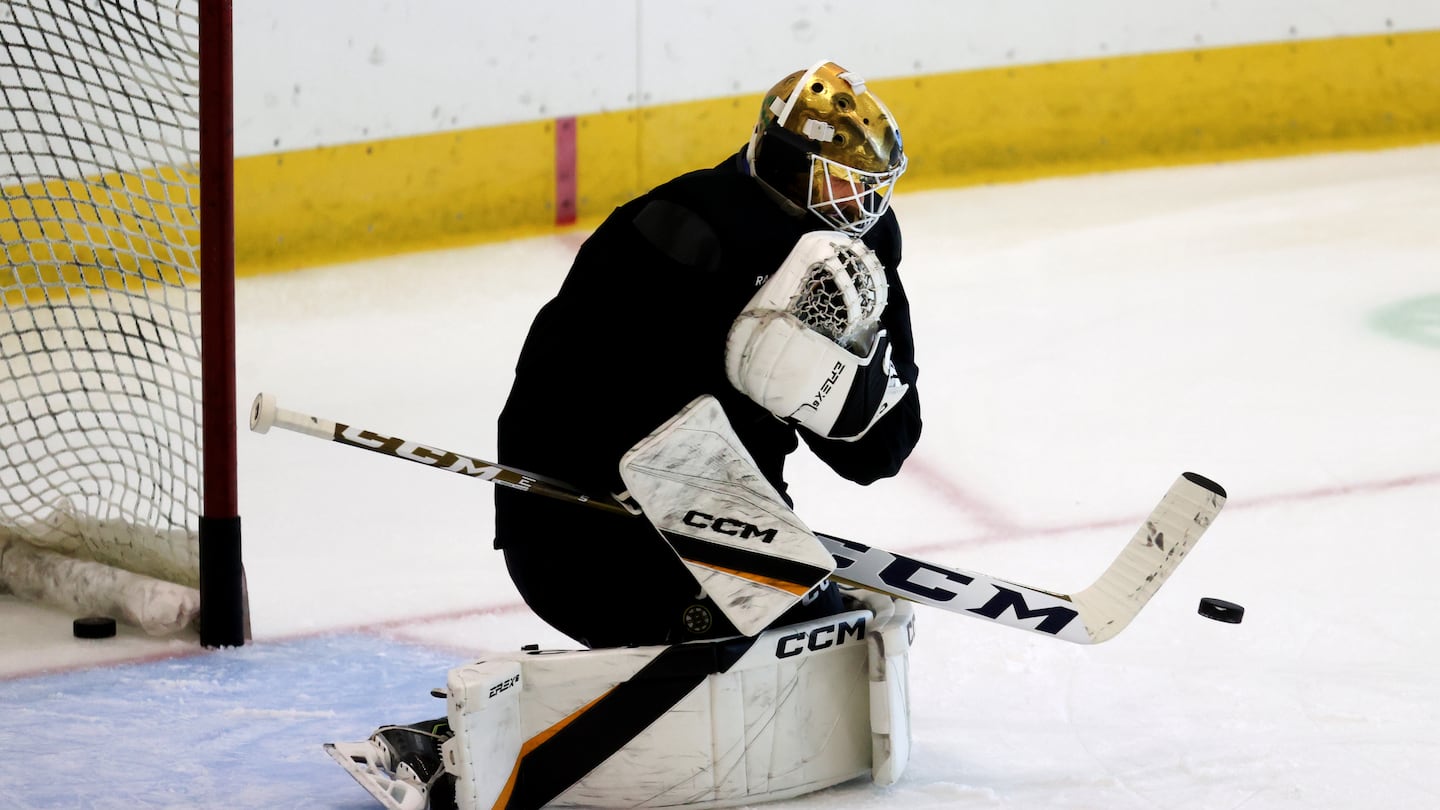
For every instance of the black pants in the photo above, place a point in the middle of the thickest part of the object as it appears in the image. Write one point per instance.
(612, 581)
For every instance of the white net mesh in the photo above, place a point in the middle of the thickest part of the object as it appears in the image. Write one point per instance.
(100, 335)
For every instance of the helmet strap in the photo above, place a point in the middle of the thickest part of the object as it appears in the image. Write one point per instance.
(782, 165)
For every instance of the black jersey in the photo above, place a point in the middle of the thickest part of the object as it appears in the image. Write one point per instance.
(638, 330)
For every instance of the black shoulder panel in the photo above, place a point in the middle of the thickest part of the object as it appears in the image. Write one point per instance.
(680, 234)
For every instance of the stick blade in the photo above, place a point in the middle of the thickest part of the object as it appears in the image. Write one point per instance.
(1151, 556)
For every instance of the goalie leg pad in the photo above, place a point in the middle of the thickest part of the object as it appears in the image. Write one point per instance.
(889, 643)
(702, 724)
(483, 706)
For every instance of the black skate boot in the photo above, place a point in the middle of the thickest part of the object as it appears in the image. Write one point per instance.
(402, 765)
(416, 746)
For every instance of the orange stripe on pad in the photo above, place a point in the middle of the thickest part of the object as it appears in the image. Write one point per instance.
(538, 740)
(795, 588)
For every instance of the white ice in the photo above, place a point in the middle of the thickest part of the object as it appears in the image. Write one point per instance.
(1272, 325)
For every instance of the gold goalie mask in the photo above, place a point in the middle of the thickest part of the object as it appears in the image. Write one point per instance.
(827, 145)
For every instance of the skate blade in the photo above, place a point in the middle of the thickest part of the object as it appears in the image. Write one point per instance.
(395, 794)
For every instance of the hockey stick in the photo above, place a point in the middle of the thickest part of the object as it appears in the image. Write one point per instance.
(1089, 616)
(265, 414)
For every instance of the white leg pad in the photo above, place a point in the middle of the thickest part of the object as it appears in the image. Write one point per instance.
(704, 724)
(483, 706)
(889, 671)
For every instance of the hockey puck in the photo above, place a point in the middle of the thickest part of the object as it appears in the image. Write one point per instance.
(1221, 611)
(95, 627)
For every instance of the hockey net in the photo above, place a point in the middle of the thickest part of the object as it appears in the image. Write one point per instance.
(100, 355)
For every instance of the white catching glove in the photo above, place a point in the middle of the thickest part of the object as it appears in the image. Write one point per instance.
(809, 347)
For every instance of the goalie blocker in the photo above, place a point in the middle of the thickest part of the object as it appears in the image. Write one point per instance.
(702, 724)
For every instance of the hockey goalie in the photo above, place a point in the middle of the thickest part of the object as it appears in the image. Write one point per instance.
(784, 710)
(705, 329)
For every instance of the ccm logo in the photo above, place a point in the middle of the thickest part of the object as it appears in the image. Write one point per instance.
(413, 451)
(926, 583)
(830, 635)
(828, 384)
(503, 685)
(728, 526)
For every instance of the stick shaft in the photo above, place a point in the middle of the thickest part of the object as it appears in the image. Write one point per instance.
(1088, 617)
(265, 414)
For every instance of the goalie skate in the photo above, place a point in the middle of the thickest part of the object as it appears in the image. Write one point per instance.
(399, 766)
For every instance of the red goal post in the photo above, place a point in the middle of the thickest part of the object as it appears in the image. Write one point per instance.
(118, 486)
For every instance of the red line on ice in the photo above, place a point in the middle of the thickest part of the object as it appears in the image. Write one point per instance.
(1234, 503)
(1004, 530)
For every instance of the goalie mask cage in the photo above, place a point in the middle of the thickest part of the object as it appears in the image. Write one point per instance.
(118, 421)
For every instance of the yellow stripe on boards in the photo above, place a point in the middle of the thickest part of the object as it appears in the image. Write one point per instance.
(608, 160)
(341, 203)
(676, 138)
(114, 231)
(357, 201)
(1169, 108)
(960, 128)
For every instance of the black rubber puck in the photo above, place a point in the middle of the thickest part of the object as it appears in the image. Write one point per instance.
(1221, 611)
(95, 627)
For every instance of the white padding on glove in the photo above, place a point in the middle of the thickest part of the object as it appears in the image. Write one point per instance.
(808, 347)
